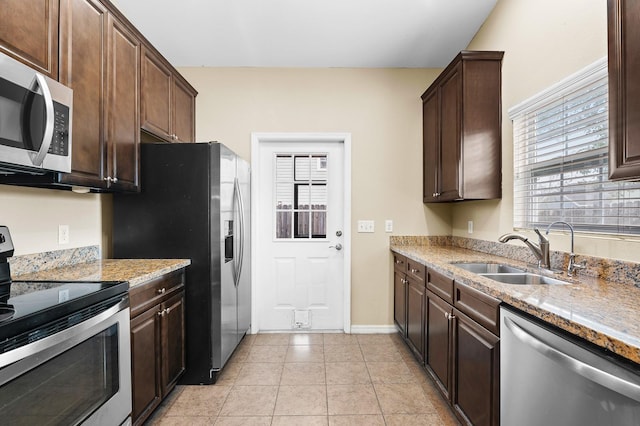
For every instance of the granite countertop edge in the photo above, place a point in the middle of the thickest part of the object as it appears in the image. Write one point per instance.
(599, 311)
(134, 271)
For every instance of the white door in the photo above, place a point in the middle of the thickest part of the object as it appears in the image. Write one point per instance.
(301, 236)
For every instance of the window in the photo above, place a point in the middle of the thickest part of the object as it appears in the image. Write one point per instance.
(561, 159)
(301, 196)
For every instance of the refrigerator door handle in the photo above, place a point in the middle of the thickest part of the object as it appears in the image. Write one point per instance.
(238, 265)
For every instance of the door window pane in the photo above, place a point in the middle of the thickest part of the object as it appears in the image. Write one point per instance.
(300, 196)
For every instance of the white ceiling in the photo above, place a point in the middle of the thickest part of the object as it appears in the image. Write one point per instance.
(308, 33)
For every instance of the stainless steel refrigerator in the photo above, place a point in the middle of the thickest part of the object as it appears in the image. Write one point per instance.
(194, 203)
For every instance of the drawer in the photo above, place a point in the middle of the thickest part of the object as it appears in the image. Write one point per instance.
(483, 309)
(153, 292)
(441, 285)
(399, 262)
(416, 270)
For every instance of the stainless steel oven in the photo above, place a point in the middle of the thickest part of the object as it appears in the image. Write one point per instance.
(35, 120)
(65, 357)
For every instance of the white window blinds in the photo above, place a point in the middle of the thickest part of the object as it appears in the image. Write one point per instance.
(561, 159)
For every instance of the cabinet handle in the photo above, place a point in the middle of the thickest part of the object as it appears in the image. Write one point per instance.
(114, 180)
(414, 271)
(161, 290)
(167, 310)
(161, 313)
(398, 262)
(449, 316)
(107, 179)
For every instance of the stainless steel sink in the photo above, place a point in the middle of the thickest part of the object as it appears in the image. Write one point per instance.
(507, 274)
(488, 268)
(524, 279)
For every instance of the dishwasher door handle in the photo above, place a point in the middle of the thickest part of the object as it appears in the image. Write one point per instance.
(603, 378)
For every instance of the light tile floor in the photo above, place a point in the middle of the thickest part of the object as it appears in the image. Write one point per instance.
(312, 379)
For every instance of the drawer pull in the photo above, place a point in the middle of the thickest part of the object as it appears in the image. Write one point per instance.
(414, 271)
(398, 261)
(164, 312)
(449, 316)
(162, 290)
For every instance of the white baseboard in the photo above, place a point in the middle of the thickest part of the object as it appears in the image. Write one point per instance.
(373, 329)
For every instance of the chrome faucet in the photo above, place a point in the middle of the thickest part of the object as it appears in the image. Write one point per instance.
(540, 250)
(572, 267)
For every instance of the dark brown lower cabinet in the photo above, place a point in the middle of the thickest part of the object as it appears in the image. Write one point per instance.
(399, 301)
(453, 330)
(476, 378)
(145, 341)
(157, 341)
(438, 342)
(415, 317)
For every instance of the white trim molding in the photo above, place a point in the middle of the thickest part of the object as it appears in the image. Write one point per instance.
(374, 329)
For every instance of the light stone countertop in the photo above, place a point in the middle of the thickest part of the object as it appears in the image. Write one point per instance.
(135, 271)
(602, 312)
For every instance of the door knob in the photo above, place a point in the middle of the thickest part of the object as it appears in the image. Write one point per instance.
(337, 246)
(338, 233)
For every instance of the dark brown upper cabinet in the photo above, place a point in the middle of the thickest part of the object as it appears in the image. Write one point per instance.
(29, 33)
(168, 101)
(100, 57)
(462, 134)
(90, 46)
(624, 89)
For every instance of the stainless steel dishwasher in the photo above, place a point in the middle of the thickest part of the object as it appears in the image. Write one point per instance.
(550, 379)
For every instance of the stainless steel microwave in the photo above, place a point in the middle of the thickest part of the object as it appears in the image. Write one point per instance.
(35, 120)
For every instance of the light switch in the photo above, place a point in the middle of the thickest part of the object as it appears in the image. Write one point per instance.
(366, 226)
(388, 225)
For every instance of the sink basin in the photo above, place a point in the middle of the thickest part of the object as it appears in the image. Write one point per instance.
(523, 279)
(488, 268)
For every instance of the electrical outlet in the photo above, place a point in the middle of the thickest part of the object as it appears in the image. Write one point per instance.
(388, 225)
(63, 234)
(366, 226)
(470, 227)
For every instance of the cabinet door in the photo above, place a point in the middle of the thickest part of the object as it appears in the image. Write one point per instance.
(83, 52)
(477, 372)
(156, 83)
(145, 362)
(29, 33)
(450, 135)
(439, 342)
(399, 301)
(123, 136)
(415, 317)
(624, 89)
(184, 110)
(430, 147)
(173, 360)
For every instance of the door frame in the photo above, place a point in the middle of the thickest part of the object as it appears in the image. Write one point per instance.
(299, 138)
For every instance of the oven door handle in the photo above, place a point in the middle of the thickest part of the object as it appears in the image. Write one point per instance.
(585, 370)
(68, 338)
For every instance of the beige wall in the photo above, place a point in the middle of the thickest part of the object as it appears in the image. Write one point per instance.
(544, 41)
(381, 108)
(33, 216)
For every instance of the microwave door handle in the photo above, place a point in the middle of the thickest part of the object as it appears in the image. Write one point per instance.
(38, 157)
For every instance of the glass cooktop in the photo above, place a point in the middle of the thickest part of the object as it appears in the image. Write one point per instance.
(30, 304)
